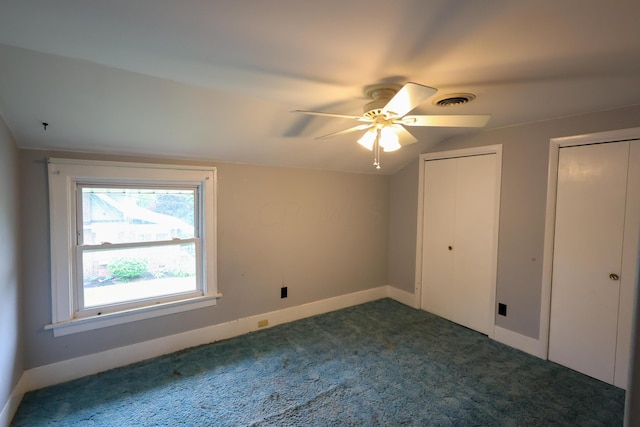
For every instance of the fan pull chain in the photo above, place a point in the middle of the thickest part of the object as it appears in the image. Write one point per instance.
(376, 150)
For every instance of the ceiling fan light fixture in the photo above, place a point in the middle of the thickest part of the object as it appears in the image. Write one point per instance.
(367, 140)
(389, 139)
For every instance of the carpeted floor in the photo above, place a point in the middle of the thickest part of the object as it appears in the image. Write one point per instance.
(377, 364)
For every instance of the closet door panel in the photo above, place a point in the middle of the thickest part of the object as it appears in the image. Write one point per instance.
(438, 226)
(629, 267)
(588, 248)
(473, 241)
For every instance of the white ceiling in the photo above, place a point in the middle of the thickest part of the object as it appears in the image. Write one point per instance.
(217, 79)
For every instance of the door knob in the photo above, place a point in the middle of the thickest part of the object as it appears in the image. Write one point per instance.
(614, 276)
(450, 248)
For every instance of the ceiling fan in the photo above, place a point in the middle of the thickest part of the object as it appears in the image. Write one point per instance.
(384, 117)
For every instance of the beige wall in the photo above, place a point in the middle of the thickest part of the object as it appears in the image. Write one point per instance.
(11, 355)
(324, 234)
(403, 212)
(522, 209)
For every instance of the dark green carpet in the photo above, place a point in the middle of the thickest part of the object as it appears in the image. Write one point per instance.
(377, 364)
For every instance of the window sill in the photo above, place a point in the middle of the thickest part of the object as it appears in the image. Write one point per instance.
(111, 319)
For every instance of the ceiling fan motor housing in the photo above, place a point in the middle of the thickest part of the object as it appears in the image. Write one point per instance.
(380, 94)
(374, 109)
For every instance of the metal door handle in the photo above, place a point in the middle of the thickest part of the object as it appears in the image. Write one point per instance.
(614, 276)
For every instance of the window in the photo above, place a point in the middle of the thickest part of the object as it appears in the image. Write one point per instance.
(129, 241)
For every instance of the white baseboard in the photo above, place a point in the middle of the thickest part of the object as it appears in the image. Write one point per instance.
(518, 341)
(404, 297)
(10, 408)
(67, 370)
(70, 369)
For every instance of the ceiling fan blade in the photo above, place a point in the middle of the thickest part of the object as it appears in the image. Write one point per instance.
(463, 120)
(404, 136)
(408, 97)
(340, 116)
(353, 129)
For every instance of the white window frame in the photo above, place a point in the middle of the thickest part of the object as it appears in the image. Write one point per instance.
(80, 309)
(64, 177)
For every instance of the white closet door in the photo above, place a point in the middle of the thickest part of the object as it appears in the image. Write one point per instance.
(458, 238)
(473, 241)
(437, 236)
(590, 214)
(629, 268)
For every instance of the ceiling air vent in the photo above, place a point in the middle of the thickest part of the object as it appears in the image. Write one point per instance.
(454, 99)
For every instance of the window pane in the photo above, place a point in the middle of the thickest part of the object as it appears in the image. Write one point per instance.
(125, 215)
(121, 275)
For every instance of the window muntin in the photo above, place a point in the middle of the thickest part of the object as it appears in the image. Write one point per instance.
(159, 218)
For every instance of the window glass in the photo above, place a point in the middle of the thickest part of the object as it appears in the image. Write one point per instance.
(123, 215)
(120, 275)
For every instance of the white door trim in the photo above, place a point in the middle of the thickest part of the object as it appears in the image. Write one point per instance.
(465, 152)
(550, 219)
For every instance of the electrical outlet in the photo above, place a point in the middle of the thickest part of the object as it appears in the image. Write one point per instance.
(283, 292)
(502, 309)
(263, 323)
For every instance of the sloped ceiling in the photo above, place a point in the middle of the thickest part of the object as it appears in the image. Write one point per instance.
(217, 79)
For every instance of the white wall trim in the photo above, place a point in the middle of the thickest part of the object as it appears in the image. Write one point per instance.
(550, 216)
(520, 342)
(465, 152)
(140, 313)
(403, 297)
(70, 369)
(11, 406)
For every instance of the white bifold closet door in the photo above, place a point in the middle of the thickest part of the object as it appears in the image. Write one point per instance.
(458, 237)
(595, 252)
